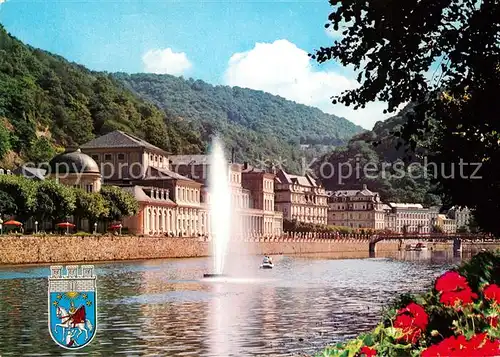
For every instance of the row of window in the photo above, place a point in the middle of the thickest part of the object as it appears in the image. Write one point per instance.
(186, 194)
(352, 206)
(109, 157)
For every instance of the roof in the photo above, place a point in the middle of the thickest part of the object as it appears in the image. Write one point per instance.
(141, 196)
(154, 173)
(405, 205)
(30, 172)
(189, 159)
(120, 139)
(74, 162)
(307, 180)
(246, 168)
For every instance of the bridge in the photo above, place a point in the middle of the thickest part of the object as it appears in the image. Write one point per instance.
(457, 238)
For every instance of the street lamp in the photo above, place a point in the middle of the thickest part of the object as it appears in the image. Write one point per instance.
(36, 227)
(95, 228)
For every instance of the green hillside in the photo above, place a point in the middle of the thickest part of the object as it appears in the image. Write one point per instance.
(256, 124)
(46, 102)
(379, 155)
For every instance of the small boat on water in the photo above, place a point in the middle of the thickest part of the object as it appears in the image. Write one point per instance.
(267, 263)
(416, 247)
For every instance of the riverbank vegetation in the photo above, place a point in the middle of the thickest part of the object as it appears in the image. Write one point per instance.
(49, 201)
(458, 316)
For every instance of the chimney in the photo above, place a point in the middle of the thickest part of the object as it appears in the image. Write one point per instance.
(245, 165)
(232, 155)
(364, 187)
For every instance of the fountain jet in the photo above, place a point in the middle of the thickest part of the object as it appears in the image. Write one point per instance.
(219, 207)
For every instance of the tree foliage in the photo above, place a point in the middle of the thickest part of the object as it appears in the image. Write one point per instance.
(20, 194)
(258, 125)
(443, 57)
(48, 200)
(119, 203)
(91, 206)
(379, 166)
(53, 201)
(4, 139)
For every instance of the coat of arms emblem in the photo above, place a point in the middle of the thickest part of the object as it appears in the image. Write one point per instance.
(72, 305)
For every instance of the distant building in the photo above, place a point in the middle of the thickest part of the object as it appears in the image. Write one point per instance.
(144, 170)
(252, 192)
(123, 157)
(462, 216)
(447, 224)
(356, 209)
(412, 217)
(301, 198)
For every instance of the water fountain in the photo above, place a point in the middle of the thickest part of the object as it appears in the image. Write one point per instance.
(219, 207)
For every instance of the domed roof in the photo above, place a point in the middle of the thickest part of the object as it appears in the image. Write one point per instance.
(73, 162)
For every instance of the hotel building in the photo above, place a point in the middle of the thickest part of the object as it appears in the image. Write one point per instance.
(252, 193)
(300, 198)
(356, 209)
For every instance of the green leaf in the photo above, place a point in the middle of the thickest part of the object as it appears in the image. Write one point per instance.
(368, 340)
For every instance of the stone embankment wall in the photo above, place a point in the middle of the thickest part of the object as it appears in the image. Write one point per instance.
(54, 249)
(59, 249)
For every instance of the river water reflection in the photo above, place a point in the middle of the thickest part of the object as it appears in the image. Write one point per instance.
(163, 308)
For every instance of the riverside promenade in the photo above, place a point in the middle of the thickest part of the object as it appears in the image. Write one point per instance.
(41, 249)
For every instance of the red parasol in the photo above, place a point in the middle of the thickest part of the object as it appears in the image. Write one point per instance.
(12, 223)
(65, 225)
(115, 226)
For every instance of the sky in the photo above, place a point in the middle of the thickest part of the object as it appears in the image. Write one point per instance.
(262, 45)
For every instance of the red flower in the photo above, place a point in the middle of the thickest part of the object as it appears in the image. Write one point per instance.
(493, 321)
(478, 345)
(451, 298)
(367, 351)
(411, 320)
(454, 289)
(451, 281)
(492, 292)
(417, 312)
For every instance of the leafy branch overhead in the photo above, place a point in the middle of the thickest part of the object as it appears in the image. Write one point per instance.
(442, 57)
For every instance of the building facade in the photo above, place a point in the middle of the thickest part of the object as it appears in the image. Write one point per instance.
(252, 193)
(300, 198)
(447, 224)
(356, 209)
(412, 217)
(462, 216)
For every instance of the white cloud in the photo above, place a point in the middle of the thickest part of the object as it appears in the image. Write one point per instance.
(166, 61)
(281, 68)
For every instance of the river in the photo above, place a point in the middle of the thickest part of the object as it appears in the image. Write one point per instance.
(164, 308)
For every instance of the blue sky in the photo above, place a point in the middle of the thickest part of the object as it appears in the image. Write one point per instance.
(255, 44)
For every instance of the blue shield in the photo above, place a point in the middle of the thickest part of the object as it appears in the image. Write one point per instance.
(72, 303)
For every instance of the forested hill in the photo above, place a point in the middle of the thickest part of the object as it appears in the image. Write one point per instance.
(379, 147)
(47, 102)
(258, 125)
